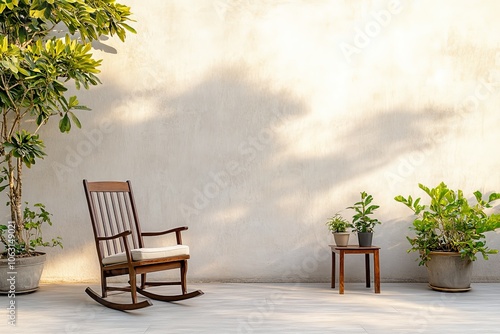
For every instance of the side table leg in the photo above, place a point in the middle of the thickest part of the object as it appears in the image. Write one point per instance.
(333, 270)
(376, 271)
(367, 269)
(341, 275)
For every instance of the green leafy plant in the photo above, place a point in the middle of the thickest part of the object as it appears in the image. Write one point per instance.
(31, 233)
(450, 223)
(337, 223)
(362, 220)
(45, 46)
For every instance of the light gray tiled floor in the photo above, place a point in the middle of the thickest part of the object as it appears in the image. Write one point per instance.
(265, 308)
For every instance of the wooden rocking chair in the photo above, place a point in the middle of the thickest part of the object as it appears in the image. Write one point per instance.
(121, 250)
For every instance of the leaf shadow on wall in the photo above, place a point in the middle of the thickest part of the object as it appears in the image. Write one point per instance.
(247, 198)
(221, 158)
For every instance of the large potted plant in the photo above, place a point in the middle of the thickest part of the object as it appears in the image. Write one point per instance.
(449, 233)
(338, 225)
(44, 46)
(362, 220)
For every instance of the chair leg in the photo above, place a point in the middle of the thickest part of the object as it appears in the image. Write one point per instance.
(133, 286)
(143, 281)
(104, 287)
(183, 276)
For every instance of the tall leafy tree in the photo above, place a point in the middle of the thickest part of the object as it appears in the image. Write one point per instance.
(45, 45)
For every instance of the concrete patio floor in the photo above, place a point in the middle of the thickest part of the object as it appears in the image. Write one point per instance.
(265, 308)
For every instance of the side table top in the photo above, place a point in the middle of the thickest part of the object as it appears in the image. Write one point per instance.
(353, 247)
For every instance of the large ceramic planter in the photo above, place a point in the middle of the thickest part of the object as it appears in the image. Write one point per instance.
(341, 238)
(449, 272)
(365, 239)
(24, 276)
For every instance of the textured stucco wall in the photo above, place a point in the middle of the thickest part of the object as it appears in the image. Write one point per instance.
(253, 121)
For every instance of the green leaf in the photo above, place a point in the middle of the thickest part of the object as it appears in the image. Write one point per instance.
(493, 197)
(65, 124)
(75, 120)
(400, 198)
(129, 28)
(82, 108)
(479, 196)
(73, 101)
(11, 66)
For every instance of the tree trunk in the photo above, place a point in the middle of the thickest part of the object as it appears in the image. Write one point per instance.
(15, 195)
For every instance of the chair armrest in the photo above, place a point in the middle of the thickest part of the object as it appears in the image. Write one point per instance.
(116, 236)
(122, 235)
(153, 234)
(177, 231)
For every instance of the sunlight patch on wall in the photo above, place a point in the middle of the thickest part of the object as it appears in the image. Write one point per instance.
(137, 110)
(230, 214)
(58, 262)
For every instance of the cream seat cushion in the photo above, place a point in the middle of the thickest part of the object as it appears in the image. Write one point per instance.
(140, 254)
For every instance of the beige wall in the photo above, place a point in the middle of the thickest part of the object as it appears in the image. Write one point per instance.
(253, 121)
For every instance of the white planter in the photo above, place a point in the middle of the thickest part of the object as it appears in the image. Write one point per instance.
(22, 274)
(341, 238)
(449, 272)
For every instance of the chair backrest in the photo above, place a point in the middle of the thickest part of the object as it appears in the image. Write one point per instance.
(112, 210)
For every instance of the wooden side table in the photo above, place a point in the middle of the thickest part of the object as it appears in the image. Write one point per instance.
(355, 249)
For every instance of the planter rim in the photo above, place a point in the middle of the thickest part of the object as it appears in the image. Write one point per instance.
(444, 253)
(39, 255)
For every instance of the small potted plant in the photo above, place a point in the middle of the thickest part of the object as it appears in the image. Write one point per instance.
(362, 221)
(449, 232)
(338, 225)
